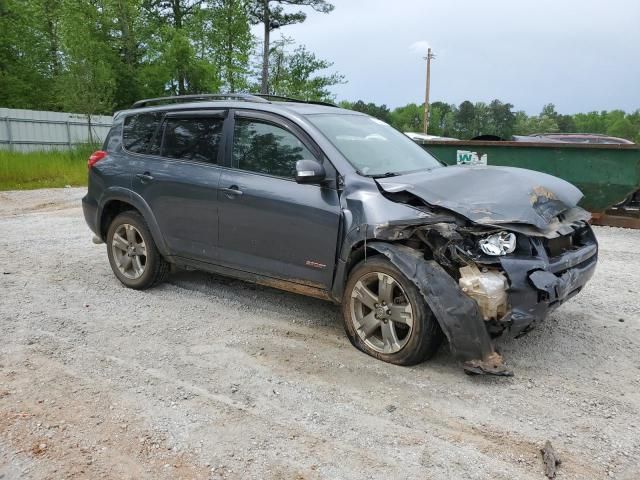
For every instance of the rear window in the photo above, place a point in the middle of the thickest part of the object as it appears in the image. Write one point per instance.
(139, 134)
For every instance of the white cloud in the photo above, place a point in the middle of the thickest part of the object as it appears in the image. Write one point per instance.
(420, 47)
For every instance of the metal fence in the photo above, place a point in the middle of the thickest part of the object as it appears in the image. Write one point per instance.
(28, 130)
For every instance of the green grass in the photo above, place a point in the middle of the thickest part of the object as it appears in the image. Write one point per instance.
(28, 171)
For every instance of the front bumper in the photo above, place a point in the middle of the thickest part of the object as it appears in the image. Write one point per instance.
(539, 285)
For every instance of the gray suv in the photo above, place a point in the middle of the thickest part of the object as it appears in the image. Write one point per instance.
(338, 205)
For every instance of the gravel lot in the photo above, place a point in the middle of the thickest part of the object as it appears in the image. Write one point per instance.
(206, 377)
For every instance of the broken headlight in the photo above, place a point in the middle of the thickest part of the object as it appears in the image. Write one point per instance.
(500, 243)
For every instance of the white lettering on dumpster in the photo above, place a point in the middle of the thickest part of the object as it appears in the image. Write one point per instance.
(465, 157)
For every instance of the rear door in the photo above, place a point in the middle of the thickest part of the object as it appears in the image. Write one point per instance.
(180, 181)
(269, 224)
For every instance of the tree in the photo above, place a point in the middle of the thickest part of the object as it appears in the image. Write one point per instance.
(178, 45)
(233, 42)
(549, 110)
(481, 120)
(123, 23)
(525, 125)
(87, 84)
(29, 52)
(502, 119)
(592, 122)
(634, 118)
(379, 111)
(566, 124)
(272, 17)
(101, 55)
(410, 118)
(546, 122)
(438, 112)
(299, 73)
(623, 128)
(464, 118)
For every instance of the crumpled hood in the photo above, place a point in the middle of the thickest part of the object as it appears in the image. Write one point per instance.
(490, 195)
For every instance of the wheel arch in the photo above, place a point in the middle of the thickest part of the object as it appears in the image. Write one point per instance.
(354, 255)
(117, 201)
(458, 315)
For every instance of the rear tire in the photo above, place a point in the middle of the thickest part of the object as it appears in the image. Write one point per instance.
(385, 315)
(133, 255)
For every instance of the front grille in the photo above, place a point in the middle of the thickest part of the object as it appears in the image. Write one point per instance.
(557, 246)
(565, 243)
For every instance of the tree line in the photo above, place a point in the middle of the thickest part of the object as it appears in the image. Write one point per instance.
(469, 120)
(97, 56)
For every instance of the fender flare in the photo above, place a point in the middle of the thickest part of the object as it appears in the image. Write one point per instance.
(135, 200)
(458, 315)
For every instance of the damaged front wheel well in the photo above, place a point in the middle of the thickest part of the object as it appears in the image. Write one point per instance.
(358, 253)
(361, 250)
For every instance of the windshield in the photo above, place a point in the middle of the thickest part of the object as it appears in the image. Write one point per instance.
(371, 146)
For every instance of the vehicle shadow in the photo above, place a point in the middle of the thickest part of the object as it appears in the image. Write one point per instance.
(305, 310)
(520, 354)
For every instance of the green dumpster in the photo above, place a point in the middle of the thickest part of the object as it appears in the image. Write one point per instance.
(606, 174)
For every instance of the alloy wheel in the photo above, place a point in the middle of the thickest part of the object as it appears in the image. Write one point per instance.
(129, 251)
(381, 312)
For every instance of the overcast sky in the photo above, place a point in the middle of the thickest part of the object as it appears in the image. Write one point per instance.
(581, 55)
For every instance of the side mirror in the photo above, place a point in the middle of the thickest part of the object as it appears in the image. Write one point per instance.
(309, 171)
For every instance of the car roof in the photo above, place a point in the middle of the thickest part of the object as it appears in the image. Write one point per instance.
(288, 108)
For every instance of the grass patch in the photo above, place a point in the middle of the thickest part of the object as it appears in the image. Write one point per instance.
(28, 171)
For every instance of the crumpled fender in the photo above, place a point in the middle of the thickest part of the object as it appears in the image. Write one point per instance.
(458, 315)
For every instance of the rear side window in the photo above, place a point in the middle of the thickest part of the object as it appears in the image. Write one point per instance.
(265, 148)
(112, 142)
(192, 138)
(139, 133)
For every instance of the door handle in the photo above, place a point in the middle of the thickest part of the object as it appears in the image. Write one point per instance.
(144, 177)
(232, 191)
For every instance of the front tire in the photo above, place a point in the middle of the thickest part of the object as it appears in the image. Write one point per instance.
(133, 255)
(386, 316)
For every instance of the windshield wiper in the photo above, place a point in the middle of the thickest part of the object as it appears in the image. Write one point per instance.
(385, 175)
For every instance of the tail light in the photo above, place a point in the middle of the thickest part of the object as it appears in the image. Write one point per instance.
(96, 157)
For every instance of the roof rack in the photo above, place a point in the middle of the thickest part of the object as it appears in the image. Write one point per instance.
(244, 97)
(280, 98)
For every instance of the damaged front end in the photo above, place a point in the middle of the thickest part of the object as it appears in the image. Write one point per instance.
(476, 296)
(459, 316)
(482, 280)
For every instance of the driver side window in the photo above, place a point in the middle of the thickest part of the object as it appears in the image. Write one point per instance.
(262, 147)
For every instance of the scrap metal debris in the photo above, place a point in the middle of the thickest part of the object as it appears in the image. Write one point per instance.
(550, 459)
(491, 365)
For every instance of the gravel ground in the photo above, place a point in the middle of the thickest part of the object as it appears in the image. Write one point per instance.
(207, 377)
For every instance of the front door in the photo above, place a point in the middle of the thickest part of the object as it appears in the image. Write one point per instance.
(269, 224)
(180, 183)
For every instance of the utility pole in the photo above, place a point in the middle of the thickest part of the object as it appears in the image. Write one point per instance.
(430, 56)
(264, 87)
